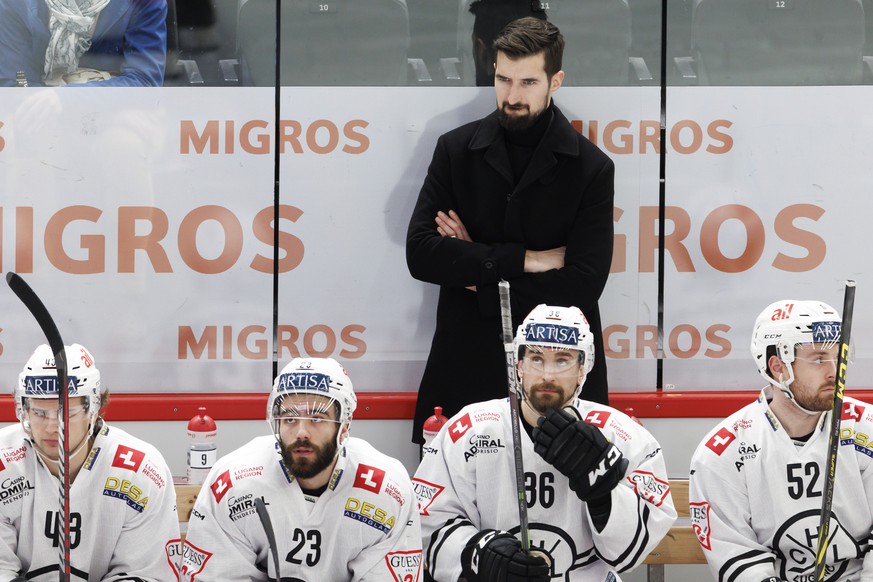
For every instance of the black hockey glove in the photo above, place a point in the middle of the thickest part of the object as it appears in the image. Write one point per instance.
(579, 450)
(496, 556)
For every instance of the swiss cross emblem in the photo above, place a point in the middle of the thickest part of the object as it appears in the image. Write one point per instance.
(720, 441)
(598, 418)
(127, 458)
(458, 428)
(221, 486)
(851, 411)
(369, 478)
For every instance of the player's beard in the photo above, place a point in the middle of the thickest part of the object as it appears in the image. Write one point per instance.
(541, 402)
(306, 468)
(815, 401)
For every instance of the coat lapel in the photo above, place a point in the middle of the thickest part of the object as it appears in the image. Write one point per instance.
(110, 15)
(489, 137)
(558, 139)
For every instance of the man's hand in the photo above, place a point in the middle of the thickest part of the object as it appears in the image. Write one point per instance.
(450, 225)
(542, 261)
(496, 556)
(579, 450)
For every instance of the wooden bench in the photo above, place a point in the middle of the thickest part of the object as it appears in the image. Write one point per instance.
(186, 495)
(679, 546)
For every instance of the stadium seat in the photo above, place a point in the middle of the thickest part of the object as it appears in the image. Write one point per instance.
(339, 42)
(597, 34)
(777, 42)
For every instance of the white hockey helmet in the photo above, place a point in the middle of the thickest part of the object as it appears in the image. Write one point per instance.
(39, 378)
(560, 328)
(312, 377)
(787, 323)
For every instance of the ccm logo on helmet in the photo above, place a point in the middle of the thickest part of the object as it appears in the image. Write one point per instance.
(551, 333)
(304, 380)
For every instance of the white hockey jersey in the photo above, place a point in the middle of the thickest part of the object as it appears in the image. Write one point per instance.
(123, 522)
(363, 527)
(756, 497)
(466, 483)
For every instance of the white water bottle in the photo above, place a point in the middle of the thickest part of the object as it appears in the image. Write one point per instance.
(202, 453)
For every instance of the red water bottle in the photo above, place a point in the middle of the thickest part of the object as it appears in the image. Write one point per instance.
(433, 425)
(202, 452)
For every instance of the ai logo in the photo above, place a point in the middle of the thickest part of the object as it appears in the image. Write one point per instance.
(783, 312)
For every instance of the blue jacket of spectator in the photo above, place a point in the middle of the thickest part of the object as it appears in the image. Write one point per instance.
(130, 40)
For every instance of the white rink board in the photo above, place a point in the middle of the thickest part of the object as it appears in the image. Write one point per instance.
(142, 217)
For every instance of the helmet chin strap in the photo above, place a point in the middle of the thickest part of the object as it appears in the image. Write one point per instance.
(784, 386)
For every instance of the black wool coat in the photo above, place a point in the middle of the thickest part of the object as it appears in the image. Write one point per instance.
(564, 198)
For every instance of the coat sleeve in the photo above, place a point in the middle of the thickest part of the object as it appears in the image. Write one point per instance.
(454, 263)
(587, 260)
(144, 48)
(642, 505)
(145, 547)
(447, 504)
(16, 45)
(399, 554)
(445, 261)
(721, 518)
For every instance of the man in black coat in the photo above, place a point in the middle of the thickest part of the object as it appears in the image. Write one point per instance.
(518, 195)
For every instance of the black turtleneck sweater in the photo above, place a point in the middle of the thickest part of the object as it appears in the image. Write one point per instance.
(521, 143)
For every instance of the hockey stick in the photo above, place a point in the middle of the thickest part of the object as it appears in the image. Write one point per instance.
(261, 508)
(512, 384)
(834, 439)
(50, 330)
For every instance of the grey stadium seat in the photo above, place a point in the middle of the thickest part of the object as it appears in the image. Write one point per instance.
(778, 42)
(334, 42)
(597, 35)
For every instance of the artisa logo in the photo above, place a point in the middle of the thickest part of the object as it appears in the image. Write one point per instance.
(45, 385)
(551, 334)
(303, 381)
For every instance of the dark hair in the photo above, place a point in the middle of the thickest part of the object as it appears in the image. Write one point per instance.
(493, 15)
(530, 36)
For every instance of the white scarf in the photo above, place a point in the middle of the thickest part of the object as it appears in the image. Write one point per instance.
(71, 26)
